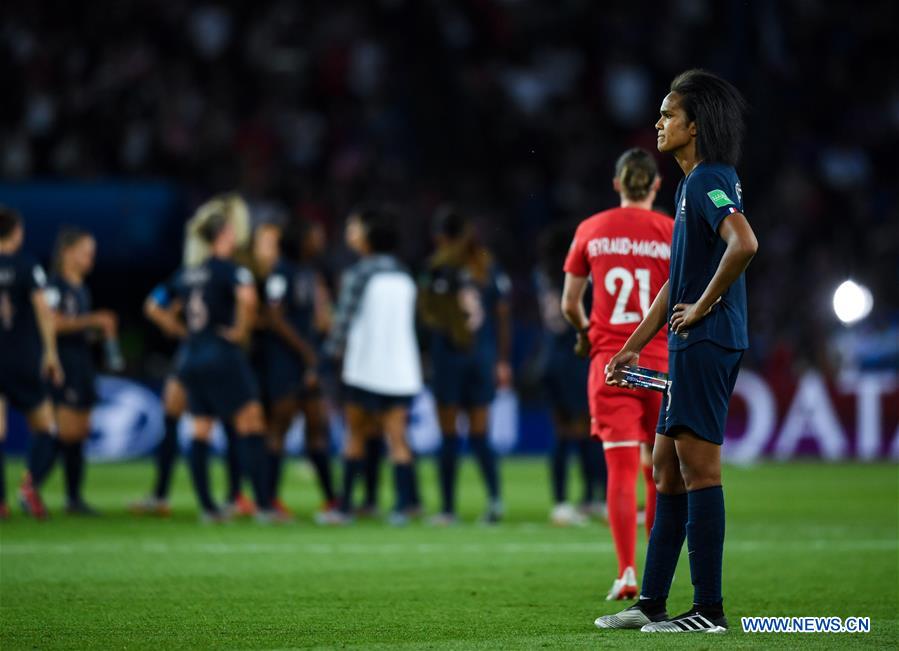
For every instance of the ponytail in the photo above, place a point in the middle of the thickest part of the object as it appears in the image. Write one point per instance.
(636, 170)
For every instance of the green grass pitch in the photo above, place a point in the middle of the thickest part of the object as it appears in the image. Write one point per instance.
(802, 539)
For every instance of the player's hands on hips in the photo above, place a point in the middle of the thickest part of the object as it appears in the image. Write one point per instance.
(619, 359)
(685, 315)
(503, 374)
(582, 345)
(310, 379)
(52, 369)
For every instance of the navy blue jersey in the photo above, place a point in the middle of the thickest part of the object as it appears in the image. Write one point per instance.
(71, 301)
(20, 277)
(704, 198)
(208, 294)
(480, 300)
(549, 299)
(292, 288)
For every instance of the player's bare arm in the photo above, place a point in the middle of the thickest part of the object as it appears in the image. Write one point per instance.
(503, 343)
(166, 319)
(281, 327)
(244, 314)
(573, 310)
(50, 365)
(648, 328)
(741, 247)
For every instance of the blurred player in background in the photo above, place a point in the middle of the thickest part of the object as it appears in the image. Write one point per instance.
(464, 303)
(625, 251)
(374, 334)
(564, 375)
(28, 356)
(76, 323)
(295, 313)
(164, 310)
(704, 304)
(219, 302)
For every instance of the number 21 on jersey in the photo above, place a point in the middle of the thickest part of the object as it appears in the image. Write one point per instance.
(619, 281)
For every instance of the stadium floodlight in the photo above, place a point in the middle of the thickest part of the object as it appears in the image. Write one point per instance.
(852, 302)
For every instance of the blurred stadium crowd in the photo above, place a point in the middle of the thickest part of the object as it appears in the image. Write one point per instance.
(514, 109)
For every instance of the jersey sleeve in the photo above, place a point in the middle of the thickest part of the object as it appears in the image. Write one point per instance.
(576, 262)
(52, 295)
(276, 288)
(165, 292)
(503, 283)
(243, 277)
(713, 196)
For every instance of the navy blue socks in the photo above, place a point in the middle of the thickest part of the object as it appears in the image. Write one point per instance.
(166, 453)
(487, 462)
(705, 542)
(199, 472)
(73, 469)
(322, 466)
(558, 470)
(665, 543)
(251, 449)
(448, 464)
(41, 457)
(402, 477)
(232, 462)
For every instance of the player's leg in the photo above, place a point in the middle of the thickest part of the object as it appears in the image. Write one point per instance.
(198, 461)
(649, 485)
(375, 449)
(41, 457)
(395, 420)
(448, 462)
(74, 428)
(652, 405)
(358, 423)
(249, 426)
(318, 448)
(487, 461)
(175, 405)
(238, 504)
(4, 509)
(567, 436)
(702, 381)
(281, 415)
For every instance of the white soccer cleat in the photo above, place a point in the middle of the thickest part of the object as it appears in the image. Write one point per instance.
(565, 515)
(632, 617)
(624, 587)
(690, 622)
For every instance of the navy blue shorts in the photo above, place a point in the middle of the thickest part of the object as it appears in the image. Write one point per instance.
(565, 381)
(21, 383)
(178, 363)
(219, 380)
(703, 377)
(78, 390)
(374, 402)
(282, 376)
(463, 379)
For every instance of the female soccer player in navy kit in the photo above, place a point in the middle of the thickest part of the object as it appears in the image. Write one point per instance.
(465, 304)
(564, 376)
(28, 357)
(704, 302)
(76, 322)
(219, 302)
(163, 309)
(295, 313)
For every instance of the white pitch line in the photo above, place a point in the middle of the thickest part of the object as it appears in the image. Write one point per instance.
(421, 549)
